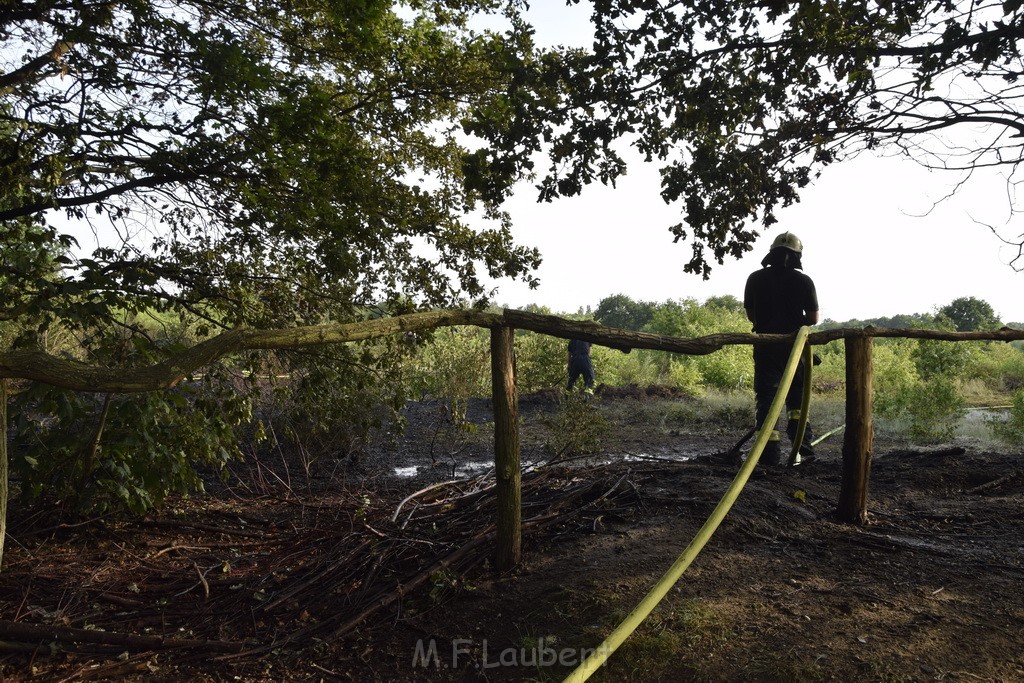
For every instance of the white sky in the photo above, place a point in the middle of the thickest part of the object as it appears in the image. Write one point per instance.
(873, 243)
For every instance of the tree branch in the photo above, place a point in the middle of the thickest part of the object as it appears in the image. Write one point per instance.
(36, 364)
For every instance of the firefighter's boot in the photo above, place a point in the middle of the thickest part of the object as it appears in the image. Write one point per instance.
(771, 456)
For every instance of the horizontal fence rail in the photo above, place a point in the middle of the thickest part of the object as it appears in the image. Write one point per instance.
(36, 364)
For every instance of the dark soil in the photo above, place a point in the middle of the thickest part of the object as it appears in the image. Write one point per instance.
(266, 577)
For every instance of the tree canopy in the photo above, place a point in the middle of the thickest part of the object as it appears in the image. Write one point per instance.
(621, 311)
(254, 163)
(743, 104)
(170, 170)
(969, 313)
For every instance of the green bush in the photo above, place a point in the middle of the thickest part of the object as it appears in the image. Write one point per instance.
(729, 369)
(618, 369)
(999, 365)
(895, 375)
(331, 399)
(541, 361)
(932, 408)
(942, 358)
(685, 374)
(453, 364)
(97, 454)
(576, 428)
(1011, 430)
(830, 375)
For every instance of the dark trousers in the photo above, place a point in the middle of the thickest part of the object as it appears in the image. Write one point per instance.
(769, 364)
(580, 365)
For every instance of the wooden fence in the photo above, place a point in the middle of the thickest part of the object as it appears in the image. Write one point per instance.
(36, 364)
(859, 433)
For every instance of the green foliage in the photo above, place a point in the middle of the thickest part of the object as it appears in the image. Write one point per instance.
(328, 401)
(919, 381)
(969, 313)
(639, 367)
(895, 374)
(933, 408)
(1011, 429)
(577, 427)
(830, 375)
(900, 321)
(942, 358)
(541, 361)
(240, 164)
(728, 369)
(283, 160)
(689, 318)
(455, 364)
(726, 302)
(102, 454)
(620, 311)
(684, 374)
(796, 86)
(999, 365)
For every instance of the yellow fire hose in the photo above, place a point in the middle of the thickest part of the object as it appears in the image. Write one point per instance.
(828, 434)
(589, 665)
(805, 405)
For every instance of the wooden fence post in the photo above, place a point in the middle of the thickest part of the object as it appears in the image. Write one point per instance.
(506, 448)
(4, 470)
(857, 442)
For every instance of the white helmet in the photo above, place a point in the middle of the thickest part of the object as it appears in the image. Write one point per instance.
(789, 241)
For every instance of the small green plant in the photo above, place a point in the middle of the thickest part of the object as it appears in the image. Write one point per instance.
(933, 409)
(454, 365)
(577, 427)
(441, 584)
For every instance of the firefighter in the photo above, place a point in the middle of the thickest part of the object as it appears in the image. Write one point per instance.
(779, 299)
(579, 364)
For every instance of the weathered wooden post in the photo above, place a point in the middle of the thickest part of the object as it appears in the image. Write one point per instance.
(857, 443)
(506, 447)
(4, 472)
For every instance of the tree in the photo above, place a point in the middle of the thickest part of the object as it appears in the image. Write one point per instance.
(621, 311)
(726, 302)
(743, 104)
(251, 162)
(969, 313)
(239, 166)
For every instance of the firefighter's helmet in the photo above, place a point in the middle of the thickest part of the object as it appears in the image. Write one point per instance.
(789, 241)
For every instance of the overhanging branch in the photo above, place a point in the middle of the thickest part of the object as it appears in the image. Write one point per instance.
(36, 364)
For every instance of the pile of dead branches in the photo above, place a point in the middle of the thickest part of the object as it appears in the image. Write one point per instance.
(229, 579)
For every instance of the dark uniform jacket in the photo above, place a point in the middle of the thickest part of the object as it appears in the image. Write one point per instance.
(579, 348)
(779, 298)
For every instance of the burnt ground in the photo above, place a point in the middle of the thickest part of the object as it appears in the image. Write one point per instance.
(304, 569)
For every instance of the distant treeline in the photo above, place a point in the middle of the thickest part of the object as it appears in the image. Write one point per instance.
(965, 313)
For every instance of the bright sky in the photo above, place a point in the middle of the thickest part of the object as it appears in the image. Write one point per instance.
(875, 242)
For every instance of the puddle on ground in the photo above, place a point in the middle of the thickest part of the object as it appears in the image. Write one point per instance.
(648, 457)
(407, 471)
(471, 469)
(468, 469)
